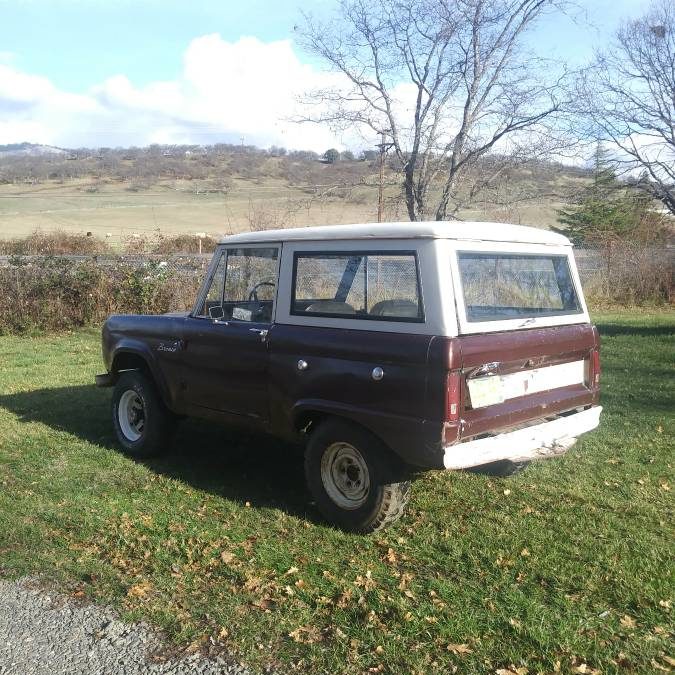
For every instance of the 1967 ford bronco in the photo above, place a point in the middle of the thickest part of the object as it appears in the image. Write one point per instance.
(389, 349)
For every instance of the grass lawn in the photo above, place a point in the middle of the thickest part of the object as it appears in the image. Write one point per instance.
(566, 567)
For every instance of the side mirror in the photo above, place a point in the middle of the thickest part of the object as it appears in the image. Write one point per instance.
(216, 312)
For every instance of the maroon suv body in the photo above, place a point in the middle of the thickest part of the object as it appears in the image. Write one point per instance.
(388, 349)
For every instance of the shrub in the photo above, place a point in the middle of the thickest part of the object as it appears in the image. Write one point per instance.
(54, 243)
(626, 273)
(184, 243)
(56, 293)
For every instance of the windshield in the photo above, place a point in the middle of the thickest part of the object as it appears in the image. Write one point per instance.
(502, 286)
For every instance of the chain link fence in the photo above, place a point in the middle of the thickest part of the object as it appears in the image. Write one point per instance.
(62, 292)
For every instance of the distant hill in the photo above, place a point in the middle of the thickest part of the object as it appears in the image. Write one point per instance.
(30, 150)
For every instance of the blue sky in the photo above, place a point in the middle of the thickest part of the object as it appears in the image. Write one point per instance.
(76, 46)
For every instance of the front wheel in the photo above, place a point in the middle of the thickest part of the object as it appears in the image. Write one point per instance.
(142, 423)
(349, 473)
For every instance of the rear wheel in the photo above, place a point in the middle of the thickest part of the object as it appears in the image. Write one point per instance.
(349, 473)
(142, 423)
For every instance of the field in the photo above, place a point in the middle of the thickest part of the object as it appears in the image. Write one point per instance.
(116, 211)
(566, 567)
(323, 195)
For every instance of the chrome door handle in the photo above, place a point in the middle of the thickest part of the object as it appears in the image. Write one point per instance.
(262, 332)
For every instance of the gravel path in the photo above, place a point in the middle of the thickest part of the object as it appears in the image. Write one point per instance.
(45, 633)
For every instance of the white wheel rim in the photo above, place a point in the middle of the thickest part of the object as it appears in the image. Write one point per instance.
(345, 475)
(131, 415)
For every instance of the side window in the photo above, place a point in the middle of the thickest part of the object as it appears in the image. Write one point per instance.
(214, 295)
(250, 284)
(379, 286)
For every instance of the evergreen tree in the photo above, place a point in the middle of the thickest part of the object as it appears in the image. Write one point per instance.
(605, 212)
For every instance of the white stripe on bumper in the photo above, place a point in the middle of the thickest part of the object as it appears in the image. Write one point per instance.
(536, 442)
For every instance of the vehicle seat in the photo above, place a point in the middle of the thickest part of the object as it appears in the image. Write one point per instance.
(403, 308)
(331, 307)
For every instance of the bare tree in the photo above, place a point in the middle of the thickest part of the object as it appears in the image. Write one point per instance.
(446, 82)
(629, 95)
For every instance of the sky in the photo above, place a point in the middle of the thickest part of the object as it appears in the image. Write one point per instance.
(132, 72)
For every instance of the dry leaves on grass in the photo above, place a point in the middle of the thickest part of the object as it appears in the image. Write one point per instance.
(627, 621)
(366, 582)
(140, 590)
(459, 649)
(306, 635)
(227, 557)
(512, 670)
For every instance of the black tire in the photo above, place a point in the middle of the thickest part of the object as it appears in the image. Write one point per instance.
(152, 437)
(374, 506)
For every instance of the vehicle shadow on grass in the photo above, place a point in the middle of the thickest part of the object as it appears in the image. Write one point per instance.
(238, 465)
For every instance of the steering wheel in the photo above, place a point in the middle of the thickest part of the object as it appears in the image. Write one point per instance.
(253, 295)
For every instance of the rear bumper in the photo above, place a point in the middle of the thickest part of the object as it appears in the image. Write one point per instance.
(535, 442)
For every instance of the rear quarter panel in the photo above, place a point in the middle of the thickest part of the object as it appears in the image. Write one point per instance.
(339, 381)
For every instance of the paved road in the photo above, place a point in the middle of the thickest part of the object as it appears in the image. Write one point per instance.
(44, 633)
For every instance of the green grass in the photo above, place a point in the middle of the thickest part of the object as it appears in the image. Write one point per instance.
(569, 562)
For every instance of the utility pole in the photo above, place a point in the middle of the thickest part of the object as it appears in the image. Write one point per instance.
(383, 146)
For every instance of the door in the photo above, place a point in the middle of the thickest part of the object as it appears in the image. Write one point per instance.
(226, 338)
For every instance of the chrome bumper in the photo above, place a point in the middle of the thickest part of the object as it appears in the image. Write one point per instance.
(536, 442)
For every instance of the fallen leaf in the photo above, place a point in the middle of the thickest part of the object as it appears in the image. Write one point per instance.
(367, 581)
(345, 599)
(459, 649)
(525, 553)
(295, 570)
(585, 669)
(627, 621)
(227, 557)
(664, 603)
(406, 577)
(515, 623)
(306, 635)
(507, 492)
(140, 590)
(223, 633)
(379, 649)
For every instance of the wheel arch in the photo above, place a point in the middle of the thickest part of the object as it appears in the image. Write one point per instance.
(132, 358)
(308, 417)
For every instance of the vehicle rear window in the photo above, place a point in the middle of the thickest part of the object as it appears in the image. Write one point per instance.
(378, 286)
(502, 286)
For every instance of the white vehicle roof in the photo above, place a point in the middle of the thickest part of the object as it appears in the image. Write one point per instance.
(457, 230)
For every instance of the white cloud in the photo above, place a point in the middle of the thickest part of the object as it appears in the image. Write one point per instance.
(226, 90)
